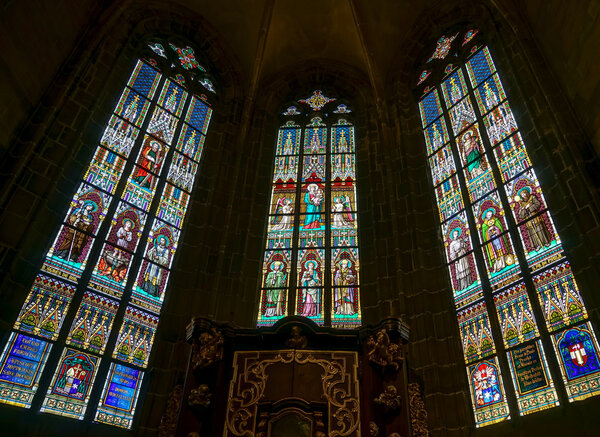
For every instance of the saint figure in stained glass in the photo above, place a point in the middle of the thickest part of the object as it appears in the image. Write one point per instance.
(151, 160)
(344, 297)
(284, 210)
(159, 254)
(75, 239)
(498, 252)
(314, 203)
(276, 278)
(342, 217)
(538, 232)
(472, 154)
(114, 263)
(457, 249)
(275, 302)
(310, 295)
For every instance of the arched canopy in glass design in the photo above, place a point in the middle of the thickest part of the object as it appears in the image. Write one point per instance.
(519, 309)
(311, 264)
(109, 263)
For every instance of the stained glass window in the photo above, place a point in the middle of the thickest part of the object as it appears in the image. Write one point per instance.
(112, 255)
(504, 256)
(311, 261)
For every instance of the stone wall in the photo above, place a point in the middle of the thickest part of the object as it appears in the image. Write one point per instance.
(51, 137)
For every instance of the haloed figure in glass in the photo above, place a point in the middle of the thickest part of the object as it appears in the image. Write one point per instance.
(344, 297)
(284, 209)
(472, 155)
(114, 261)
(276, 278)
(75, 240)
(458, 248)
(538, 232)
(310, 294)
(150, 162)
(159, 254)
(342, 217)
(314, 202)
(498, 251)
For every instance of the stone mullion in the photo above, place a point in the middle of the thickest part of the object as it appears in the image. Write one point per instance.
(295, 243)
(477, 254)
(93, 256)
(513, 230)
(136, 260)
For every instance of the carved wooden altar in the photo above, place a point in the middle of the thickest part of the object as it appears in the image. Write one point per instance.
(296, 379)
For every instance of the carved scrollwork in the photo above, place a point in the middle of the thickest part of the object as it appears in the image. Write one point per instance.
(390, 398)
(340, 389)
(200, 397)
(207, 349)
(418, 414)
(384, 352)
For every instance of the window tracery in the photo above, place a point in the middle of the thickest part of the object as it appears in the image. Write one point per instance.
(112, 256)
(311, 262)
(504, 255)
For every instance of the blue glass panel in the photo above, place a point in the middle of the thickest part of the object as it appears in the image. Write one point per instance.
(436, 136)
(21, 366)
(288, 142)
(454, 88)
(577, 349)
(172, 97)
(119, 397)
(430, 108)
(144, 79)
(198, 115)
(480, 66)
(190, 142)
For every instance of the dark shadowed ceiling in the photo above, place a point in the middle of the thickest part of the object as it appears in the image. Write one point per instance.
(266, 37)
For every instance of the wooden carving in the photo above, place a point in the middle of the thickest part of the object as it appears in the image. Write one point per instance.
(384, 352)
(418, 414)
(200, 396)
(207, 349)
(339, 388)
(297, 340)
(390, 398)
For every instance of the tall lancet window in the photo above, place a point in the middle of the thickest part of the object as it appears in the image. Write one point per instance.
(519, 310)
(95, 305)
(311, 264)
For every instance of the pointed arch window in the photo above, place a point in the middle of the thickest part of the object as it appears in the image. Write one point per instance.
(95, 305)
(311, 263)
(516, 298)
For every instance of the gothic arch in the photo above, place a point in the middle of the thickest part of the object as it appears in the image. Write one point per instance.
(546, 126)
(352, 85)
(68, 124)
